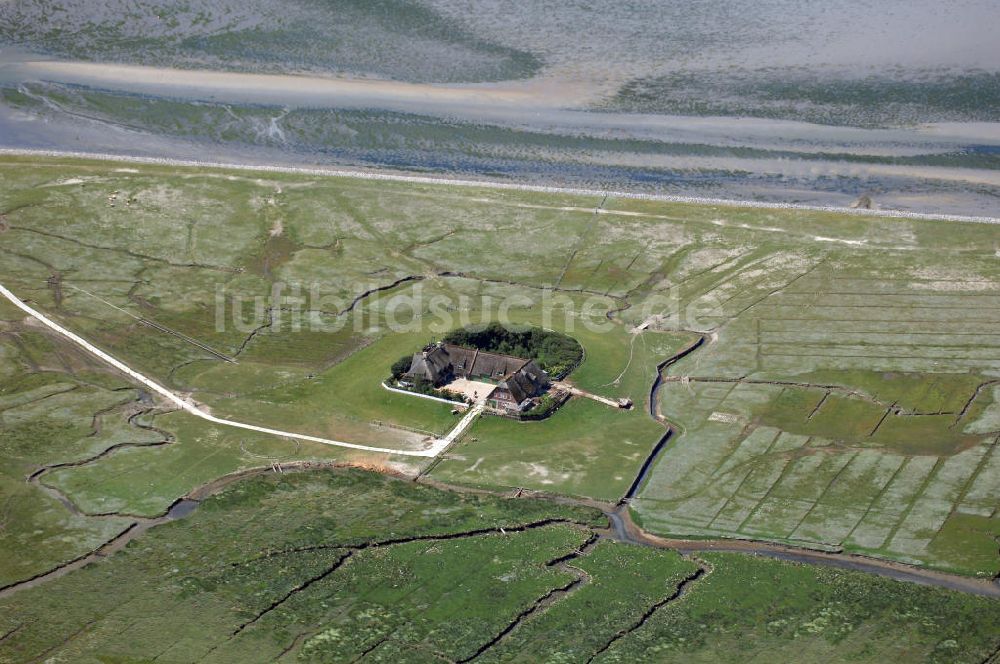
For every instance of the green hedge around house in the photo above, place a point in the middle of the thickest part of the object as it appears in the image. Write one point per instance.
(555, 353)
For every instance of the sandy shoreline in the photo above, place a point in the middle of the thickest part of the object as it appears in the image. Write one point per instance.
(560, 105)
(306, 89)
(366, 174)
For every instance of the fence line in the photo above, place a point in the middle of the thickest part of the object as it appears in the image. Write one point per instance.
(424, 396)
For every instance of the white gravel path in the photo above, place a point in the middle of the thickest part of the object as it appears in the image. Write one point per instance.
(433, 450)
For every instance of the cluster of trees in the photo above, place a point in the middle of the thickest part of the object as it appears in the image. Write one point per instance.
(555, 353)
(547, 403)
(401, 366)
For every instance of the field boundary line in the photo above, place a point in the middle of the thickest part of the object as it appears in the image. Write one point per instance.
(189, 407)
(927, 480)
(457, 404)
(767, 494)
(158, 326)
(968, 484)
(819, 501)
(369, 174)
(746, 476)
(878, 496)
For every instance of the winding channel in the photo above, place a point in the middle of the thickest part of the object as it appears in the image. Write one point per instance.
(654, 412)
(624, 529)
(621, 526)
(432, 450)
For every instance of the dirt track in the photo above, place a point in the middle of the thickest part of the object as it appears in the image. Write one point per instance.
(622, 526)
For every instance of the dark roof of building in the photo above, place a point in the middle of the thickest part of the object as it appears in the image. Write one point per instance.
(520, 386)
(430, 364)
(483, 363)
(520, 376)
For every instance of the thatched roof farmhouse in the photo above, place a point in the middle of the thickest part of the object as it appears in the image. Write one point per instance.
(517, 379)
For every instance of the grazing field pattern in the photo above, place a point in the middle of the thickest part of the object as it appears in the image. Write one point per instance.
(347, 565)
(854, 408)
(837, 385)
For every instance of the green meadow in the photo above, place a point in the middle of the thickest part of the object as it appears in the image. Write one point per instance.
(329, 566)
(846, 397)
